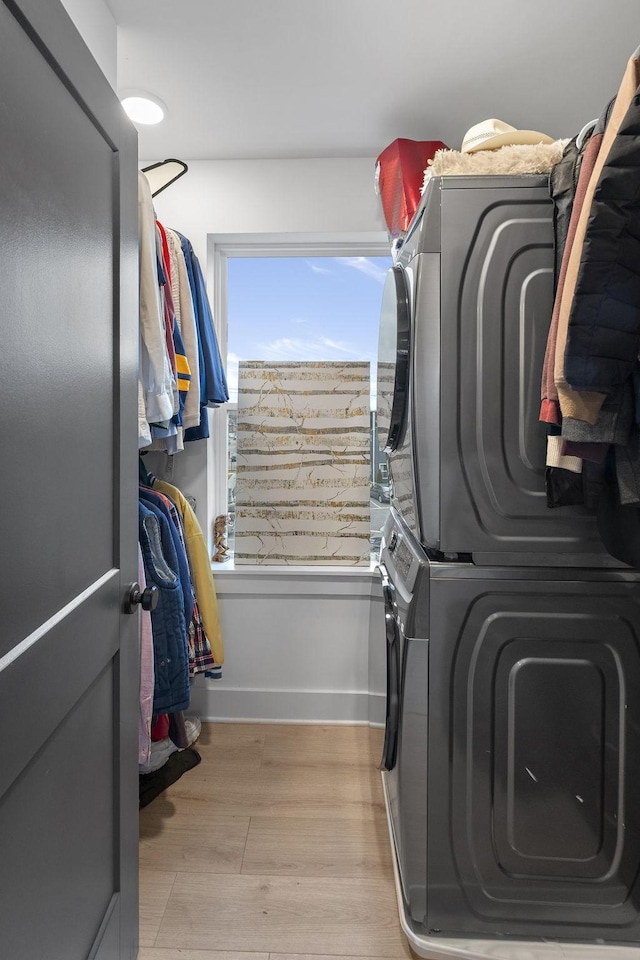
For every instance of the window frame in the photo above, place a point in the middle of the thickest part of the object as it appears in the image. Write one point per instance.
(221, 246)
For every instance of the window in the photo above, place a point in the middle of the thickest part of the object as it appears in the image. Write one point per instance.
(291, 314)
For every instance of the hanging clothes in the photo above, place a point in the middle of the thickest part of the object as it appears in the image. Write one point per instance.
(565, 481)
(162, 506)
(186, 320)
(146, 673)
(169, 437)
(213, 382)
(171, 666)
(201, 659)
(595, 333)
(200, 655)
(200, 565)
(593, 379)
(156, 381)
(183, 367)
(181, 371)
(604, 319)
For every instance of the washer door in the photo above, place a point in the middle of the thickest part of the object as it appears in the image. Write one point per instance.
(393, 360)
(390, 748)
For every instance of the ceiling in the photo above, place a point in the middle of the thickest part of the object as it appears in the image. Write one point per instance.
(252, 79)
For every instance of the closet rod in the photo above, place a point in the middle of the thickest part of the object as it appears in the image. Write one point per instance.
(162, 174)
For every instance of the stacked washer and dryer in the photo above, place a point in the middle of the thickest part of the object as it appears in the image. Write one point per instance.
(512, 740)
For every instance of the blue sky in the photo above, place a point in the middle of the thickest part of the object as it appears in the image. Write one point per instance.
(303, 308)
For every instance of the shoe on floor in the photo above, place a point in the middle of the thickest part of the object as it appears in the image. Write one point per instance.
(194, 727)
(161, 750)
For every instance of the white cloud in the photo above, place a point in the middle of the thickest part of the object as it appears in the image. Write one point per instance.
(311, 348)
(366, 266)
(340, 347)
(317, 269)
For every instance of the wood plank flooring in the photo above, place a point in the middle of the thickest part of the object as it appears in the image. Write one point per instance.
(274, 848)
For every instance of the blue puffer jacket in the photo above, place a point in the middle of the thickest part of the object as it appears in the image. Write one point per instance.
(170, 652)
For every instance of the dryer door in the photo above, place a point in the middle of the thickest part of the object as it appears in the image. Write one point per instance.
(393, 360)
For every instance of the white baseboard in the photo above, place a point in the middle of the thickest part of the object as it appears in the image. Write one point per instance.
(213, 703)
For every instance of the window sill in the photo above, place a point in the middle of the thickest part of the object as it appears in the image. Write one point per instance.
(278, 583)
(264, 569)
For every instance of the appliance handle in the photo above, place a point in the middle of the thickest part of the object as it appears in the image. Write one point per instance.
(390, 747)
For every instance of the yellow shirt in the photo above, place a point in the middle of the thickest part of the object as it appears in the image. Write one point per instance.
(200, 568)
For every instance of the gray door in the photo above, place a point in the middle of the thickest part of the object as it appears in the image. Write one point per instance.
(68, 653)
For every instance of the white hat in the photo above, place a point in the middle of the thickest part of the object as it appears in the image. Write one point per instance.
(491, 134)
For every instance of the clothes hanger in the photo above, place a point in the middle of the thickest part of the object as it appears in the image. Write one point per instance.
(162, 174)
(586, 131)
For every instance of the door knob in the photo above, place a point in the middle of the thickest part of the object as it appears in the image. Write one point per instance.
(147, 598)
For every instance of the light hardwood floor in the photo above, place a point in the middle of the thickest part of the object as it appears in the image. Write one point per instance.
(274, 848)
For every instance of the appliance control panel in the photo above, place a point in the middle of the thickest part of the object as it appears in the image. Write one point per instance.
(403, 559)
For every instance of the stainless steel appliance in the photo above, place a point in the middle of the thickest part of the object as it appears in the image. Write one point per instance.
(464, 322)
(513, 639)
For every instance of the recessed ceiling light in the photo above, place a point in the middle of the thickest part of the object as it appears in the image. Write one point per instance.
(143, 107)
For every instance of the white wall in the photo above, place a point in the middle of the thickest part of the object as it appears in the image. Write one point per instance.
(271, 196)
(299, 646)
(97, 27)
